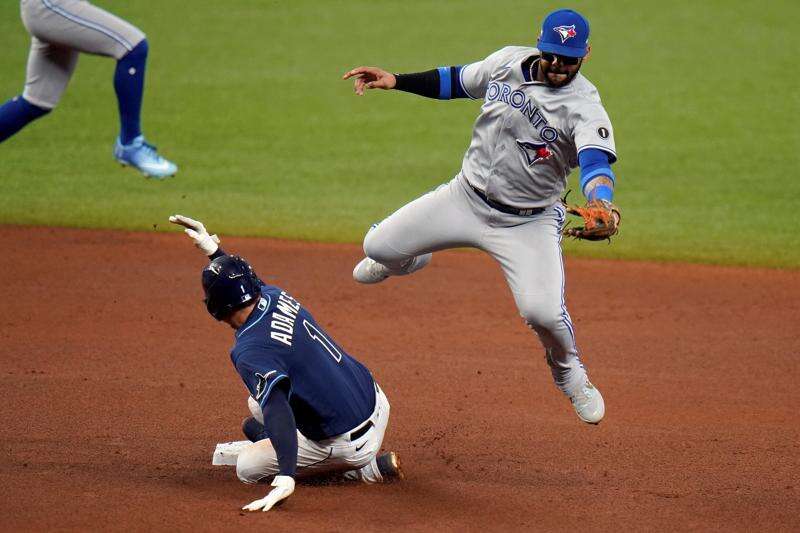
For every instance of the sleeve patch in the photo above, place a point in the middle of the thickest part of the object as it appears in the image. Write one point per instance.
(265, 383)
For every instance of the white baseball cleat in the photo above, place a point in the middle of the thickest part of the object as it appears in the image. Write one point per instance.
(370, 271)
(226, 453)
(588, 404)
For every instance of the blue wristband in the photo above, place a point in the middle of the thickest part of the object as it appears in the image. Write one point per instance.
(602, 192)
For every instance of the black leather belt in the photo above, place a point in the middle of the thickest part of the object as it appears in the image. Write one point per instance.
(503, 208)
(360, 432)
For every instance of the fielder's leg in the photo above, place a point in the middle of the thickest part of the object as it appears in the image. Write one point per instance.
(530, 255)
(403, 243)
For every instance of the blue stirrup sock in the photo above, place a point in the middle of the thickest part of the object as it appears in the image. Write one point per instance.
(17, 113)
(129, 86)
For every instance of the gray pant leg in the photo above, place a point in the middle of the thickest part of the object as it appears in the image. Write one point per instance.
(60, 29)
(440, 219)
(529, 252)
(50, 68)
(79, 25)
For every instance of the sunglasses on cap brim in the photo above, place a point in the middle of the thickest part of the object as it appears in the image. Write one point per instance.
(564, 60)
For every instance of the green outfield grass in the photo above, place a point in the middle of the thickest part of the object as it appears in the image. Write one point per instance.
(246, 97)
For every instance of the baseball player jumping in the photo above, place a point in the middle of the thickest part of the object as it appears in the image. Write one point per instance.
(316, 410)
(540, 118)
(62, 29)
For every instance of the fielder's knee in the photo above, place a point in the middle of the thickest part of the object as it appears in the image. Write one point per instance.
(538, 314)
(138, 52)
(376, 249)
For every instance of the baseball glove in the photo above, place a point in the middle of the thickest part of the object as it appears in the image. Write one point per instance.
(599, 222)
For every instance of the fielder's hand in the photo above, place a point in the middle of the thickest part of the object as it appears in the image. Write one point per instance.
(197, 231)
(370, 78)
(600, 220)
(284, 487)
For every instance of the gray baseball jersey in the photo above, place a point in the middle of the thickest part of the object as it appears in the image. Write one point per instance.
(527, 137)
(60, 30)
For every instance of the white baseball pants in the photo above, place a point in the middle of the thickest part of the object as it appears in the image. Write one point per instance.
(528, 249)
(356, 458)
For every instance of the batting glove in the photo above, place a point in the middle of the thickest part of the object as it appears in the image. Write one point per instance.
(197, 231)
(284, 487)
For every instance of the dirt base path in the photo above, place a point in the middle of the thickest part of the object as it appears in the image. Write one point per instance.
(116, 385)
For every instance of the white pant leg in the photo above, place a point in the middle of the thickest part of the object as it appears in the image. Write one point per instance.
(338, 454)
(49, 70)
(79, 25)
(529, 252)
(440, 219)
(259, 460)
(358, 457)
(60, 29)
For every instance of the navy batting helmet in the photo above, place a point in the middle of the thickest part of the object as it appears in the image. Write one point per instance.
(230, 283)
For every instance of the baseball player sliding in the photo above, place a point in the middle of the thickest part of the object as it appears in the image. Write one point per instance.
(540, 118)
(60, 30)
(316, 410)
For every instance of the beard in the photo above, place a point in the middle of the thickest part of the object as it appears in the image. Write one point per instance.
(558, 77)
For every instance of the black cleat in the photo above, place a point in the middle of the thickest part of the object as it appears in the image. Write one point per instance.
(389, 466)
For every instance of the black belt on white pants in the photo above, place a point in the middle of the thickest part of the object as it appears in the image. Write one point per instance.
(503, 208)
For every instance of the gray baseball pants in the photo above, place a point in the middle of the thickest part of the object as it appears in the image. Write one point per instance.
(60, 30)
(528, 249)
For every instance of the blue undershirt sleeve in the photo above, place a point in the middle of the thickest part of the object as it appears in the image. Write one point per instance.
(280, 425)
(450, 83)
(595, 162)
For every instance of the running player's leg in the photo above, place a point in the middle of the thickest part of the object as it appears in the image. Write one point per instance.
(49, 70)
(530, 255)
(440, 219)
(86, 28)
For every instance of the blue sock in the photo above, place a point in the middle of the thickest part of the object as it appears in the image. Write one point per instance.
(16, 114)
(129, 86)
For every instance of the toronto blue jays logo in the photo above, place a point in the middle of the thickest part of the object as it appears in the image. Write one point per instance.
(566, 32)
(534, 151)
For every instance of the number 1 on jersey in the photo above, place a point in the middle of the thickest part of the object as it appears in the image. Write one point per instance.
(318, 336)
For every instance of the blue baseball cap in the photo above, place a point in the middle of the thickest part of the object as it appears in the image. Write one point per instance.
(565, 32)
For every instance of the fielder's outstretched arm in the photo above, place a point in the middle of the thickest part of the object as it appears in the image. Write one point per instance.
(442, 83)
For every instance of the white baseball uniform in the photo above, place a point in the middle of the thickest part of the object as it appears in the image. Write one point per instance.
(353, 457)
(525, 142)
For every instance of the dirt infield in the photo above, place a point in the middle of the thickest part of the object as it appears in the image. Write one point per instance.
(116, 385)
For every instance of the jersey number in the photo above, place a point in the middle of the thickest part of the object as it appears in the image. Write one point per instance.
(318, 336)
